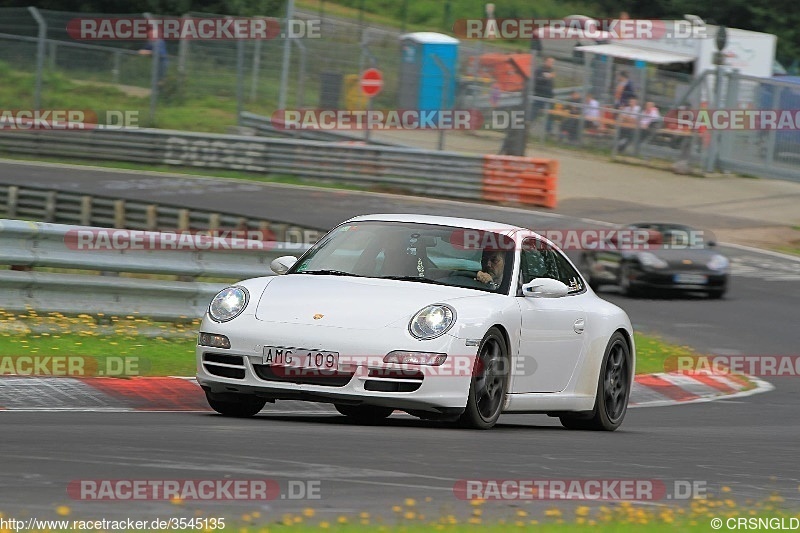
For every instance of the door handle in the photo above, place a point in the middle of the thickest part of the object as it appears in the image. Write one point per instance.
(579, 325)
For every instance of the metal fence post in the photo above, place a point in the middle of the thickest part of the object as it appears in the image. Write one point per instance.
(154, 85)
(183, 57)
(711, 161)
(301, 74)
(239, 79)
(255, 70)
(287, 55)
(445, 83)
(40, 53)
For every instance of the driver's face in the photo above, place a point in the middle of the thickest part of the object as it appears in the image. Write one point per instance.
(494, 264)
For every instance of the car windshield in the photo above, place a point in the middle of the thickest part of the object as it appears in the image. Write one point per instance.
(421, 253)
(675, 235)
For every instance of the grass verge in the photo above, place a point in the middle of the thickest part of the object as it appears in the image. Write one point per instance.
(136, 346)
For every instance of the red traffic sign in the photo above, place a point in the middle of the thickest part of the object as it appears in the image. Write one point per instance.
(371, 82)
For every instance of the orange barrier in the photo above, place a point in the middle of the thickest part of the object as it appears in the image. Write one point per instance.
(521, 180)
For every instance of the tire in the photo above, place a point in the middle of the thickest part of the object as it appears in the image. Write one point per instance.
(587, 273)
(489, 383)
(364, 414)
(625, 282)
(716, 295)
(237, 405)
(613, 391)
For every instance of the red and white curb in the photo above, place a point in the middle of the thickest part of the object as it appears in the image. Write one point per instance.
(657, 390)
(164, 394)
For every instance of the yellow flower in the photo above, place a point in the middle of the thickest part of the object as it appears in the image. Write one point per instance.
(342, 519)
(583, 510)
(324, 525)
(62, 510)
(410, 515)
(410, 502)
(521, 513)
(308, 512)
(477, 502)
(397, 509)
(726, 489)
(552, 512)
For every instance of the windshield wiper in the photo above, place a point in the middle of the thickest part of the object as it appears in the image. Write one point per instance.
(324, 272)
(412, 278)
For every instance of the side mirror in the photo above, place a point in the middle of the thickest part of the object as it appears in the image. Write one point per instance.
(282, 264)
(545, 288)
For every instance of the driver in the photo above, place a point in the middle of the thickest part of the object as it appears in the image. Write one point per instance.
(493, 264)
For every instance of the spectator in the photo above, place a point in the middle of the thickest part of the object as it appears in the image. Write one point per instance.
(543, 80)
(650, 121)
(569, 127)
(627, 121)
(591, 113)
(157, 45)
(624, 90)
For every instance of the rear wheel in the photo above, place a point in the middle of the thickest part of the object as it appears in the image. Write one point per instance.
(487, 389)
(613, 390)
(364, 414)
(236, 405)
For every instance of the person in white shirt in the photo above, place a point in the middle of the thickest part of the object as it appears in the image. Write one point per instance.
(627, 120)
(591, 113)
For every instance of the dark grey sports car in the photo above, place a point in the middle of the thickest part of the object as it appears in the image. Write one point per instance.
(670, 256)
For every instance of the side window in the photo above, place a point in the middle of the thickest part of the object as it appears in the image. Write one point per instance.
(566, 274)
(540, 261)
(532, 261)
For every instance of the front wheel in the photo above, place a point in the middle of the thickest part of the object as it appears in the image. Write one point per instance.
(236, 405)
(613, 391)
(364, 414)
(489, 382)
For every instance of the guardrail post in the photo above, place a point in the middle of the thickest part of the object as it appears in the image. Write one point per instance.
(50, 206)
(151, 217)
(119, 213)
(11, 202)
(213, 221)
(183, 220)
(86, 211)
(278, 231)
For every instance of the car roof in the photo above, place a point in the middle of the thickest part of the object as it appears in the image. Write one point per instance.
(467, 223)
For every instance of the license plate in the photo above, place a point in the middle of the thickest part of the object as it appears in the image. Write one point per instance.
(300, 358)
(691, 279)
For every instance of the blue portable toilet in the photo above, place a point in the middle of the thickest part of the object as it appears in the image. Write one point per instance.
(422, 80)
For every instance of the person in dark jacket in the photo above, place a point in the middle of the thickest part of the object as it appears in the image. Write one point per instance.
(543, 87)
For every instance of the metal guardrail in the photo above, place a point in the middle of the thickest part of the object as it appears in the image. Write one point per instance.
(64, 207)
(264, 126)
(26, 245)
(425, 172)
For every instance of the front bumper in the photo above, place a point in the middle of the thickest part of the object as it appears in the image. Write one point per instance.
(362, 377)
(675, 280)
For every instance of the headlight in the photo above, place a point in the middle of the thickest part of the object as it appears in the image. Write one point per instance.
(651, 260)
(228, 304)
(718, 262)
(432, 321)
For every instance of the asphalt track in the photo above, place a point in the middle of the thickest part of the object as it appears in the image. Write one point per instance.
(748, 444)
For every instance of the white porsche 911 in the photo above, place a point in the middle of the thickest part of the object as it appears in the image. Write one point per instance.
(444, 318)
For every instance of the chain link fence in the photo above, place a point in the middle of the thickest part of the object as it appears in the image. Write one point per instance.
(322, 72)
